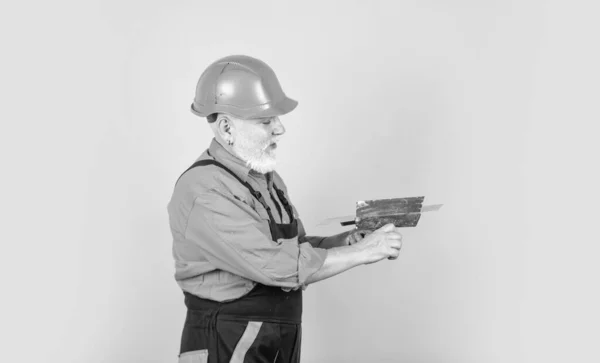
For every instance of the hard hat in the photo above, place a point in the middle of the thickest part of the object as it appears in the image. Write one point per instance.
(242, 86)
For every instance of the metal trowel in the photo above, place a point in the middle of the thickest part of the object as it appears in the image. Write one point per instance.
(373, 214)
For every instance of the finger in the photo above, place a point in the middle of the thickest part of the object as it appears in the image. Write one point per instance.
(356, 236)
(393, 235)
(394, 255)
(396, 244)
(388, 227)
(365, 232)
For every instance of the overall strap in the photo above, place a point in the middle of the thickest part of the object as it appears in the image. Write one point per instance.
(255, 193)
(286, 204)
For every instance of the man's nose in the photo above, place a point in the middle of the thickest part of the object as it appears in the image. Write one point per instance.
(278, 128)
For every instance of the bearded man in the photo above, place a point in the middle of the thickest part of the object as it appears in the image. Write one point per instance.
(242, 256)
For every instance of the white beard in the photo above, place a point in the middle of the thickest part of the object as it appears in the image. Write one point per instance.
(258, 157)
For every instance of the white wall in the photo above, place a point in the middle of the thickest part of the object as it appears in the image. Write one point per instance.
(489, 107)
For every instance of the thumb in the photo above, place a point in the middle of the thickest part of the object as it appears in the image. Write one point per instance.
(388, 227)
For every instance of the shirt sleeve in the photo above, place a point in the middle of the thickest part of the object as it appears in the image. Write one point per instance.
(235, 238)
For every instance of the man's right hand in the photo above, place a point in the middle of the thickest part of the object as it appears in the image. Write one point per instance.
(384, 242)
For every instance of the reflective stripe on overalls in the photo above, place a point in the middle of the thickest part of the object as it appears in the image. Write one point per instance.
(261, 326)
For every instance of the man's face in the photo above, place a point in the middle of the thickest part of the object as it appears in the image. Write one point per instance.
(255, 142)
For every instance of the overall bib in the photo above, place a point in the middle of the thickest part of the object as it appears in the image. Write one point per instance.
(262, 326)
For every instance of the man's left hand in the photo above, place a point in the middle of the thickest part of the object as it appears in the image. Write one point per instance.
(357, 235)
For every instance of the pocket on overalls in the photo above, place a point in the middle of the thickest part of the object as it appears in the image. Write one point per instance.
(195, 356)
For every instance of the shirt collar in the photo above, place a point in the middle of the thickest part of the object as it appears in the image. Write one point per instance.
(234, 163)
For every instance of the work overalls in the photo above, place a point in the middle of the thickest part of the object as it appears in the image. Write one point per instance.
(261, 326)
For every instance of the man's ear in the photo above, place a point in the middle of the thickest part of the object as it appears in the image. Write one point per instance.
(225, 125)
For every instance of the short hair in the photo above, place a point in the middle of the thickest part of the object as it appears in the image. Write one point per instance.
(212, 117)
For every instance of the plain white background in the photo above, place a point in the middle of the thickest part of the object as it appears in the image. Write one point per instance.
(489, 107)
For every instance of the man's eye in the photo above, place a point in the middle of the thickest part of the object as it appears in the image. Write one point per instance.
(267, 121)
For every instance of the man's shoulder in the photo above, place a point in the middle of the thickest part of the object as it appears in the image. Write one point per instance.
(210, 178)
(203, 178)
(196, 175)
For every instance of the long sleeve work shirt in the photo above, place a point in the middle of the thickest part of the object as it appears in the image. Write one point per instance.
(222, 243)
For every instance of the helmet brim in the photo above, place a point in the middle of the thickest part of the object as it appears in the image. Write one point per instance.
(280, 108)
(272, 109)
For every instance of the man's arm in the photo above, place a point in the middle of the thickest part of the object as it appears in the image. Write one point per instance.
(231, 236)
(338, 240)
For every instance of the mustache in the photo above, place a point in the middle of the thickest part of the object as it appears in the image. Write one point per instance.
(272, 141)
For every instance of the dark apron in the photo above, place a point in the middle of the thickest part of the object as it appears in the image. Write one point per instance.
(261, 326)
